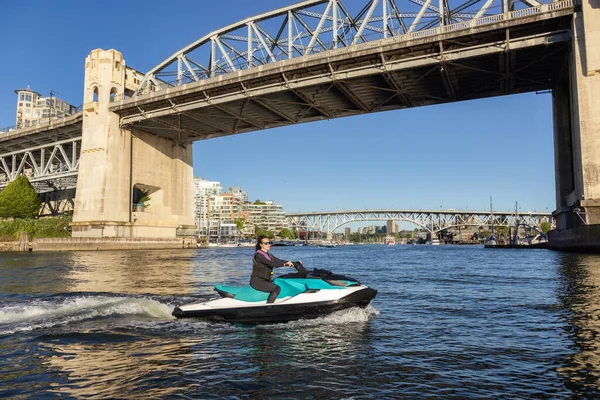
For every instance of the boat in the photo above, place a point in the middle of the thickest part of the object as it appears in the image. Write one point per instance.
(328, 244)
(390, 240)
(537, 241)
(304, 295)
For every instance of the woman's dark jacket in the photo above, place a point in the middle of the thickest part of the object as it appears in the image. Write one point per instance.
(262, 268)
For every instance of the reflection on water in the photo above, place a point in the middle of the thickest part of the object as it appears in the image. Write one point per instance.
(581, 297)
(217, 359)
(95, 369)
(134, 272)
(158, 272)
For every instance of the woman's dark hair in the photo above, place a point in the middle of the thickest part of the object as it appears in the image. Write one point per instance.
(258, 240)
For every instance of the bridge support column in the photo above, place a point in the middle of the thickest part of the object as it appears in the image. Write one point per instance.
(130, 184)
(576, 109)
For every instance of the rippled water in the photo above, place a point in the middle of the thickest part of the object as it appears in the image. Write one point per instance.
(449, 321)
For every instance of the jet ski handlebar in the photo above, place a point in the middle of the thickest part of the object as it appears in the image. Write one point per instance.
(300, 268)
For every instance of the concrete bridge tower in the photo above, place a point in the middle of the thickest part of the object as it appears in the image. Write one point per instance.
(131, 183)
(576, 109)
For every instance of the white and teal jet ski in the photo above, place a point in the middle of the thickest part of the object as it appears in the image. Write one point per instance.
(307, 294)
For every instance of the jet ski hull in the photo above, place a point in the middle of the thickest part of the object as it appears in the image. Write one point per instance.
(278, 312)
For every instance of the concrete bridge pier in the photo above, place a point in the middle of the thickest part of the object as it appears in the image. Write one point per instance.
(131, 183)
(576, 113)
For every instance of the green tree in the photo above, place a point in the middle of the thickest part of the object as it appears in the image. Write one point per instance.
(240, 222)
(145, 199)
(259, 202)
(19, 200)
(287, 234)
(545, 227)
(263, 232)
(501, 230)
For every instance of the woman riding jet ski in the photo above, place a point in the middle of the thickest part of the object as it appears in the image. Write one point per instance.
(305, 294)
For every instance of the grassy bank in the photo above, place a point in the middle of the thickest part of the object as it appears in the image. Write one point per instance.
(48, 227)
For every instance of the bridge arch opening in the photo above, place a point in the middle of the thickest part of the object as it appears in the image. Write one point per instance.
(95, 96)
(145, 197)
(113, 93)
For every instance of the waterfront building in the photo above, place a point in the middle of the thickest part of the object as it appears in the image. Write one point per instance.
(217, 211)
(267, 215)
(226, 208)
(33, 108)
(347, 231)
(203, 189)
(368, 230)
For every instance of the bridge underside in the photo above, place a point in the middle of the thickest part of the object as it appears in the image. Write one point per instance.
(502, 59)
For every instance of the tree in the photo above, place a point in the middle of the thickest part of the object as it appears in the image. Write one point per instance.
(545, 227)
(287, 234)
(19, 200)
(240, 222)
(263, 232)
(145, 199)
(259, 202)
(501, 230)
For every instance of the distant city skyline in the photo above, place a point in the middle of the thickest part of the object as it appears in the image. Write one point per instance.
(452, 156)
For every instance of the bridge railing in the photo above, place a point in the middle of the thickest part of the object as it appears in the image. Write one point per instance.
(14, 129)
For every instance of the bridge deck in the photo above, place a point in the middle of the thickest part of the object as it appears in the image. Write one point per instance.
(55, 131)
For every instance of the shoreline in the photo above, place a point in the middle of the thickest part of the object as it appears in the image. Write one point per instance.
(100, 244)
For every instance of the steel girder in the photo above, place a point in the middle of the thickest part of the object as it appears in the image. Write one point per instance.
(314, 26)
(51, 166)
(430, 220)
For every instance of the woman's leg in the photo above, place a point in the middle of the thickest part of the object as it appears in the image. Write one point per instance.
(266, 286)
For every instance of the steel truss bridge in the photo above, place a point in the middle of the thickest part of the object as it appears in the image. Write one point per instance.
(323, 59)
(430, 220)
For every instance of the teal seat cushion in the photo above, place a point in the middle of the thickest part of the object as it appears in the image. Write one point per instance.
(228, 288)
(247, 293)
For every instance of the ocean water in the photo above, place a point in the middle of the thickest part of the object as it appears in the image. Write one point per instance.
(448, 322)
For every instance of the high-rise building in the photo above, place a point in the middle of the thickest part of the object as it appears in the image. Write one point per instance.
(33, 108)
(391, 226)
(203, 189)
(347, 231)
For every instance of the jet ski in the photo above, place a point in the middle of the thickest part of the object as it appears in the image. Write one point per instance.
(304, 295)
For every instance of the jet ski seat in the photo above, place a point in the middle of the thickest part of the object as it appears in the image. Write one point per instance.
(247, 293)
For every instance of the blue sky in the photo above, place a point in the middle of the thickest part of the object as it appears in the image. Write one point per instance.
(447, 156)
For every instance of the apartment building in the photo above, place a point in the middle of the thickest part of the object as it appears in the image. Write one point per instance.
(267, 215)
(34, 109)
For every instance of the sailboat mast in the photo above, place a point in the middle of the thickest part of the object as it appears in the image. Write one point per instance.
(492, 215)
